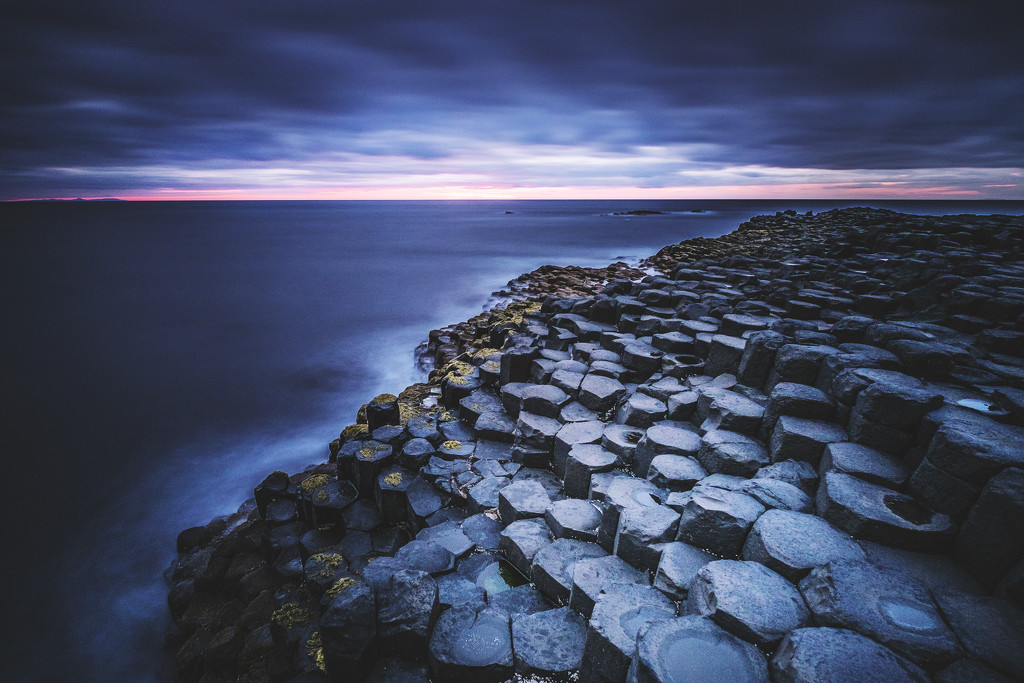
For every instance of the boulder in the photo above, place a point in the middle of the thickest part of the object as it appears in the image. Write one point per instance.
(471, 646)
(838, 655)
(538, 653)
(700, 649)
(794, 543)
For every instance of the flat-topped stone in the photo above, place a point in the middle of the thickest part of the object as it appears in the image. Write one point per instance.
(796, 472)
(748, 600)
(472, 646)
(641, 411)
(876, 513)
(991, 629)
(538, 653)
(679, 564)
(536, 431)
(663, 438)
(522, 500)
(572, 518)
(619, 615)
(600, 394)
(839, 655)
(553, 566)
(728, 452)
(798, 438)
(773, 493)
(520, 542)
(582, 461)
(592, 577)
(544, 399)
(715, 519)
(573, 433)
(794, 543)
(694, 648)
(892, 608)
(726, 409)
(675, 472)
(867, 463)
(640, 529)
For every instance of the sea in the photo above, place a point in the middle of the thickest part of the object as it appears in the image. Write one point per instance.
(159, 359)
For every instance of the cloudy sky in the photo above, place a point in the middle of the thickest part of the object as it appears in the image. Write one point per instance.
(511, 98)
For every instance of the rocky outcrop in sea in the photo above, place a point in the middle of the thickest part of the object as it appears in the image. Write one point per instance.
(792, 453)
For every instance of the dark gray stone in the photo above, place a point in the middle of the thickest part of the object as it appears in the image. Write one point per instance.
(725, 409)
(621, 440)
(492, 450)
(512, 397)
(406, 611)
(663, 438)
(641, 411)
(619, 615)
(448, 535)
(471, 646)
(675, 472)
(800, 363)
(495, 426)
(567, 381)
(798, 473)
(732, 453)
(969, 671)
(866, 463)
(544, 400)
(892, 608)
(640, 528)
(794, 543)
(875, 513)
(522, 500)
(594, 576)
(582, 461)
(748, 600)
(773, 493)
(394, 671)
(682, 405)
(537, 432)
(679, 563)
(521, 540)
(797, 438)
(484, 494)
(522, 599)
(572, 518)
(759, 357)
(600, 394)
(896, 401)
(426, 556)
(642, 358)
(477, 403)
(724, 355)
(348, 631)
(991, 629)
(548, 644)
(838, 655)
(694, 648)
(622, 491)
(483, 531)
(976, 450)
(991, 540)
(553, 566)
(423, 500)
(717, 520)
(453, 590)
(576, 412)
(798, 400)
(571, 434)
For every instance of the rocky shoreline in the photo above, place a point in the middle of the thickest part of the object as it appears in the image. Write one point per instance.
(790, 453)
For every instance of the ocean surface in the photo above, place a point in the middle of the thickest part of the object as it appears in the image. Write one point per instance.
(159, 359)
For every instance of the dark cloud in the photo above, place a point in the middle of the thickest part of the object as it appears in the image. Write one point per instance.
(99, 89)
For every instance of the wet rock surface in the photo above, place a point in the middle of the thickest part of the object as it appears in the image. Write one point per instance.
(830, 402)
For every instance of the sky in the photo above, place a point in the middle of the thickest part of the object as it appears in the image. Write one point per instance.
(412, 99)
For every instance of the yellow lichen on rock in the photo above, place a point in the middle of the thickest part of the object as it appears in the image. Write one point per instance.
(381, 399)
(322, 496)
(310, 484)
(452, 445)
(315, 650)
(340, 586)
(352, 431)
(290, 615)
(393, 479)
(371, 449)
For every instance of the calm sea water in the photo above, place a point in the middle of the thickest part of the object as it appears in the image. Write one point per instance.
(159, 359)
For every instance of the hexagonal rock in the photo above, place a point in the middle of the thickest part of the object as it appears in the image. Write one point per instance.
(521, 540)
(773, 493)
(537, 432)
(619, 615)
(544, 400)
(643, 358)
(539, 651)
(679, 564)
(839, 655)
(759, 357)
(875, 513)
(724, 355)
(477, 403)
(975, 451)
(794, 543)
(717, 520)
(990, 628)
(866, 463)
(675, 472)
(723, 409)
(453, 589)
(471, 646)
(797, 438)
(732, 453)
(621, 440)
(422, 501)
(426, 556)
(990, 540)
(799, 400)
(663, 438)
(482, 531)
(583, 461)
(640, 529)
(572, 518)
(495, 426)
(798, 473)
(897, 401)
(484, 494)
(553, 566)
(682, 405)
(348, 629)
(569, 435)
(600, 394)
(406, 611)
(522, 500)
(748, 600)
(448, 535)
(522, 599)
(695, 649)
(892, 608)
(641, 410)
(799, 363)
(673, 342)
(592, 577)
(621, 492)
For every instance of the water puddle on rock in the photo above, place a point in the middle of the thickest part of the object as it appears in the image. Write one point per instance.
(907, 509)
(694, 656)
(908, 614)
(498, 577)
(982, 406)
(483, 643)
